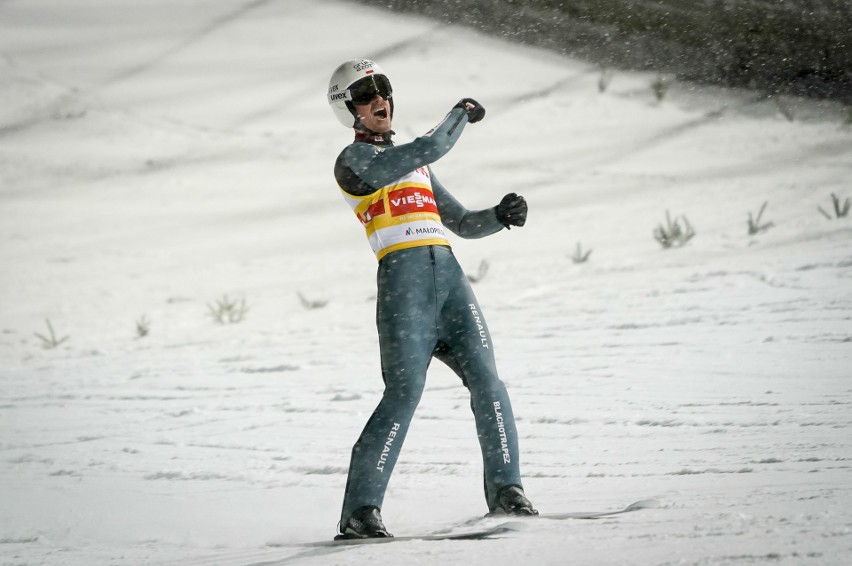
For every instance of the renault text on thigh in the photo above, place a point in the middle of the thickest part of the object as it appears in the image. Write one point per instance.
(387, 447)
(481, 327)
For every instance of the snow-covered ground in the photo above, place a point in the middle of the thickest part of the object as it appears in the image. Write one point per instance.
(156, 156)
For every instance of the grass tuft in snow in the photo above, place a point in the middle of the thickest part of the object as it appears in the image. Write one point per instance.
(51, 341)
(228, 311)
(754, 224)
(579, 255)
(840, 210)
(480, 273)
(604, 80)
(785, 109)
(143, 327)
(660, 87)
(311, 304)
(673, 234)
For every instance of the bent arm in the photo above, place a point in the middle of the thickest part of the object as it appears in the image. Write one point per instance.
(362, 168)
(461, 221)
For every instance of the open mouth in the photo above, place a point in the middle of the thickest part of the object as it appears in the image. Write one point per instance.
(380, 113)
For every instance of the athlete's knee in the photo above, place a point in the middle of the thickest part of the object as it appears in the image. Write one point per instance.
(403, 398)
(403, 395)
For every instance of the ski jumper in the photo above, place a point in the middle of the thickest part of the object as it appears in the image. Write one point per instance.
(425, 306)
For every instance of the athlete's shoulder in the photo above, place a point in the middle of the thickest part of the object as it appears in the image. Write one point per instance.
(360, 150)
(353, 159)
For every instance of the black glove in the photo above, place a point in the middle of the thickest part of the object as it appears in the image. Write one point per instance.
(475, 112)
(512, 210)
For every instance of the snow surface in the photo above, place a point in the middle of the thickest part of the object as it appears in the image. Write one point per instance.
(156, 156)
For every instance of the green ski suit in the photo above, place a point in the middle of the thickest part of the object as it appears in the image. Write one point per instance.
(425, 309)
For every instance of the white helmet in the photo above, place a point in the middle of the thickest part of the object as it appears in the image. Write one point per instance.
(341, 95)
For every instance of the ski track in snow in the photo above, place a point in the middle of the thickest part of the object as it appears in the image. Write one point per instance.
(186, 155)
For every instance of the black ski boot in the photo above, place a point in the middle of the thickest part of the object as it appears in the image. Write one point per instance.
(365, 522)
(512, 501)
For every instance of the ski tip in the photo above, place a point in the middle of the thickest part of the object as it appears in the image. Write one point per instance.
(510, 527)
(643, 504)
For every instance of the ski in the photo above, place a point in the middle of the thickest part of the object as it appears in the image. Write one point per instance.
(478, 534)
(470, 530)
(558, 516)
(636, 506)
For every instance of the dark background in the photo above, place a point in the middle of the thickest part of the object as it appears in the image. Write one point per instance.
(801, 47)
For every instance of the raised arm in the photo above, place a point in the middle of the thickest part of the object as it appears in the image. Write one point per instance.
(362, 168)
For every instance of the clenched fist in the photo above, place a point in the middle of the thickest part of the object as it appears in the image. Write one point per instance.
(512, 210)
